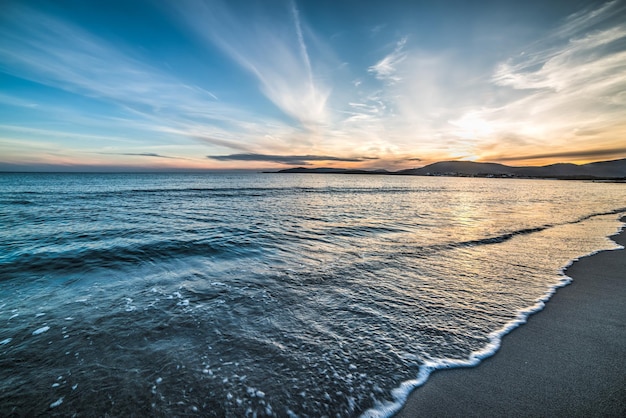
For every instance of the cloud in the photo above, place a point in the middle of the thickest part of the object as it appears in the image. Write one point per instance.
(62, 55)
(286, 159)
(386, 68)
(452, 102)
(561, 71)
(58, 54)
(572, 81)
(588, 154)
(586, 52)
(436, 99)
(585, 19)
(376, 29)
(274, 51)
(143, 154)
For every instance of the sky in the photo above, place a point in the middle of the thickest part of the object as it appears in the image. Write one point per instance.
(202, 85)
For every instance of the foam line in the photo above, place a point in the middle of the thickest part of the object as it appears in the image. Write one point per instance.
(400, 394)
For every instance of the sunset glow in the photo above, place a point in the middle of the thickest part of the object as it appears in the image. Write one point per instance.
(355, 84)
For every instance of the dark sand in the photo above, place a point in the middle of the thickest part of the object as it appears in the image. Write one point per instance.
(568, 360)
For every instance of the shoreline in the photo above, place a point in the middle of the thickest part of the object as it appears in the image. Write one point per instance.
(567, 360)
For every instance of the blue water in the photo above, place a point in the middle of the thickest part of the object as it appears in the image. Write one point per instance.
(270, 294)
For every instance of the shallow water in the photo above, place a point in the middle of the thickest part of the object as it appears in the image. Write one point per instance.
(270, 294)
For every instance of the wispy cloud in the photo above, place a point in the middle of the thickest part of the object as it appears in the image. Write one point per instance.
(144, 154)
(386, 68)
(448, 102)
(586, 153)
(274, 51)
(586, 18)
(286, 159)
(596, 52)
(572, 81)
(64, 56)
(287, 98)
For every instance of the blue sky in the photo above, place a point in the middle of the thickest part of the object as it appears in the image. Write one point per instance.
(143, 85)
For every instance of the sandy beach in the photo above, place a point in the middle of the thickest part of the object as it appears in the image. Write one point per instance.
(567, 360)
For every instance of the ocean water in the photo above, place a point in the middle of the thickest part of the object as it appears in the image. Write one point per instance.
(271, 294)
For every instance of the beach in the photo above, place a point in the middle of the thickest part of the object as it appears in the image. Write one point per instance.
(568, 360)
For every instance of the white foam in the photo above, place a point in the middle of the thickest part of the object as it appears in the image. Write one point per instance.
(41, 330)
(57, 402)
(6, 341)
(400, 394)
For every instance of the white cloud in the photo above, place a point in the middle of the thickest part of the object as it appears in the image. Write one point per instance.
(386, 68)
(585, 19)
(59, 54)
(431, 102)
(148, 101)
(568, 86)
(274, 52)
(582, 61)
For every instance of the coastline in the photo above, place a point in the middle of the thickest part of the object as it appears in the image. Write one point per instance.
(567, 360)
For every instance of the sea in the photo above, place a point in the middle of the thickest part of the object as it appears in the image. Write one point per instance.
(289, 295)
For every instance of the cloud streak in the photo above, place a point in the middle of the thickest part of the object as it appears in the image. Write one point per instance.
(588, 153)
(144, 154)
(62, 55)
(261, 82)
(387, 68)
(275, 53)
(286, 159)
(570, 82)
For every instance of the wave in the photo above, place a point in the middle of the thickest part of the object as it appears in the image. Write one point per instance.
(362, 231)
(224, 192)
(16, 202)
(88, 259)
(525, 231)
(401, 393)
(498, 239)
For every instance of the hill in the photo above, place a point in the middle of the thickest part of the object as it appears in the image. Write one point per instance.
(615, 169)
(604, 170)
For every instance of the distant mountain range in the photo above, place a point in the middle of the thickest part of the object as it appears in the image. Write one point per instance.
(604, 170)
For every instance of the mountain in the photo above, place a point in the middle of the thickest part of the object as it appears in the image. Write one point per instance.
(615, 169)
(468, 168)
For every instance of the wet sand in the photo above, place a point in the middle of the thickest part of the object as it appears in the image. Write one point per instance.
(568, 360)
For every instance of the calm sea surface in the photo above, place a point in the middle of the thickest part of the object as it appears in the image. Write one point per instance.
(270, 294)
